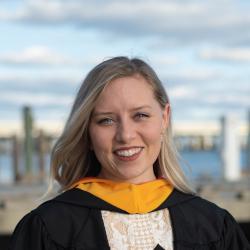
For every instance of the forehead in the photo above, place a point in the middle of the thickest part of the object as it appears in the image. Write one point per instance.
(126, 92)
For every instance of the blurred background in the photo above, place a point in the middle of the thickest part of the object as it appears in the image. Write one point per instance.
(200, 50)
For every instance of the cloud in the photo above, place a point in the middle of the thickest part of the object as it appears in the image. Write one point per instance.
(34, 99)
(226, 54)
(182, 92)
(39, 55)
(56, 80)
(219, 21)
(190, 76)
(229, 100)
(190, 97)
(35, 55)
(164, 60)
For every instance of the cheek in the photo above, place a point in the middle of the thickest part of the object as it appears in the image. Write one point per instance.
(99, 140)
(152, 133)
(153, 140)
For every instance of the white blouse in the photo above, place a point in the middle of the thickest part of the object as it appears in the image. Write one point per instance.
(138, 231)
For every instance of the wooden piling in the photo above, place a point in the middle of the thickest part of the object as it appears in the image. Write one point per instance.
(15, 158)
(28, 140)
(41, 155)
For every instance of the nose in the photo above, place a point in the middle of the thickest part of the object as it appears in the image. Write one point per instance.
(125, 132)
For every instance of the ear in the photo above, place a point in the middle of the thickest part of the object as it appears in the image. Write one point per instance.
(166, 116)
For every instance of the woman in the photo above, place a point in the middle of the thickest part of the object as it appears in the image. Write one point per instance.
(122, 185)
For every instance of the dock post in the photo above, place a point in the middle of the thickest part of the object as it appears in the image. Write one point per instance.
(230, 150)
(15, 158)
(248, 142)
(28, 140)
(41, 154)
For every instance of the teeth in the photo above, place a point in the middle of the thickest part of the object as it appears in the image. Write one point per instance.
(129, 152)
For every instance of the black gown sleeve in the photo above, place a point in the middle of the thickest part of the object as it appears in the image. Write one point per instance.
(232, 235)
(31, 234)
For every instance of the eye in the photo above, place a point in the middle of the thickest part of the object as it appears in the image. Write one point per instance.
(105, 121)
(141, 116)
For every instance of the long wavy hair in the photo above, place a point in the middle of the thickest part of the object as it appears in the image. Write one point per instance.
(71, 157)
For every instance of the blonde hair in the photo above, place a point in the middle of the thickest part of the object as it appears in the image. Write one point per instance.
(72, 158)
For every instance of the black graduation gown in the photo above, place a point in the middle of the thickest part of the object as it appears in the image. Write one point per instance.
(73, 221)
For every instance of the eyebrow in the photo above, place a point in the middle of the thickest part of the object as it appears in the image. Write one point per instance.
(110, 113)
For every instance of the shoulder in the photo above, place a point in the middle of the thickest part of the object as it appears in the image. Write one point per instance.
(54, 222)
(55, 209)
(202, 208)
(190, 204)
(199, 221)
(62, 218)
(196, 212)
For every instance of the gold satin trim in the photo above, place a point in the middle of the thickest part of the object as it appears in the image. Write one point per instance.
(132, 198)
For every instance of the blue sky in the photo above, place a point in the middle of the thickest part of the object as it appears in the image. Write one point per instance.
(200, 50)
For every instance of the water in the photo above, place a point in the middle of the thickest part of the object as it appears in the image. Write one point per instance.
(201, 163)
(196, 164)
(6, 172)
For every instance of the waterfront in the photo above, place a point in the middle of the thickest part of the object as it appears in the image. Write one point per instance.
(196, 164)
(201, 166)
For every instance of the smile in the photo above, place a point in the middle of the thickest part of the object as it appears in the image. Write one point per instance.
(128, 154)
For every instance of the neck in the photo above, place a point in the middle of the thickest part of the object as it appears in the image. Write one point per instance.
(133, 180)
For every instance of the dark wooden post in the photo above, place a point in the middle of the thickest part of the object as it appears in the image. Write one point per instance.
(28, 140)
(15, 158)
(248, 142)
(41, 154)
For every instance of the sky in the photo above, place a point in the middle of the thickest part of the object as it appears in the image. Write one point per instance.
(199, 49)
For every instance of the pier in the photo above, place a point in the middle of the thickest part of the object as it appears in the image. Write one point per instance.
(29, 184)
(18, 200)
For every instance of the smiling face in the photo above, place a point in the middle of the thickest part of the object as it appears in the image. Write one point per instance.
(125, 130)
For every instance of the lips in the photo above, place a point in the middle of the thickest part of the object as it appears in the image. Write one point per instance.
(128, 154)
